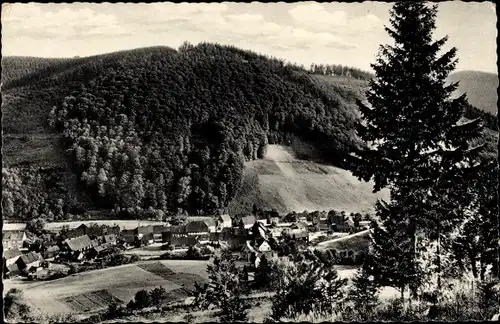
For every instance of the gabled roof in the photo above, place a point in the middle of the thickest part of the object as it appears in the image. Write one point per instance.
(145, 229)
(263, 245)
(199, 226)
(102, 247)
(225, 218)
(11, 253)
(31, 257)
(79, 243)
(299, 225)
(210, 222)
(53, 248)
(13, 268)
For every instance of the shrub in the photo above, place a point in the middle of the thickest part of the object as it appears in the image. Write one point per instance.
(158, 296)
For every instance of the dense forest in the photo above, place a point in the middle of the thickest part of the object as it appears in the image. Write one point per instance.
(174, 131)
(156, 130)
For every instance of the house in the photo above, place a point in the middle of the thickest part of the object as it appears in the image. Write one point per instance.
(247, 222)
(109, 238)
(196, 228)
(301, 226)
(79, 244)
(265, 249)
(95, 230)
(302, 235)
(13, 239)
(158, 231)
(224, 221)
(77, 232)
(51, 252)
(248, 252)
(145, 234)
(128, 236)
(273, 221)
(115, 229)
(324, 224)
(10, 256)
(98, 251)
(29, 260)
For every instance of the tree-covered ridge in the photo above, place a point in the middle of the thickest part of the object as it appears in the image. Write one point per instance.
(17, 67)
(174, 130)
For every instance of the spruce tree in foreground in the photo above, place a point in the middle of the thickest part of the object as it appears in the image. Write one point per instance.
(418, 144)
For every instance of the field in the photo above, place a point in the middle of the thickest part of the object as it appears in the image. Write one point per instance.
(124, 224)
(95, 290)
(290, 184)
(353, 242)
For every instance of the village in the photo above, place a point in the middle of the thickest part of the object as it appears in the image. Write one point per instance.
(57, 253)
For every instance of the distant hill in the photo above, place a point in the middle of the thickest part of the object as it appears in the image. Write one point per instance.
(481, 88)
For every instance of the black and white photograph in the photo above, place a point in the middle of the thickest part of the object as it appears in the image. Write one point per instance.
(253, 162)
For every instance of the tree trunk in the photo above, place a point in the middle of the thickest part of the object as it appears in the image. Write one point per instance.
(483, 267)
(472, 258)
(402, 295)
(439, 255)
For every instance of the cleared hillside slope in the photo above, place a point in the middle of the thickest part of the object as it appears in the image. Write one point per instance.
(283, 182)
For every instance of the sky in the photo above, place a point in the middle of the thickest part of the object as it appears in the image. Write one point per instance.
(300, 32)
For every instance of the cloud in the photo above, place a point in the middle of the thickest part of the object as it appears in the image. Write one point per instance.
(26, 19)
(169, 24)
(314, 16)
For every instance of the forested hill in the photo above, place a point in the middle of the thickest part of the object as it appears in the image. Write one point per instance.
(158, 130)
(169, 130)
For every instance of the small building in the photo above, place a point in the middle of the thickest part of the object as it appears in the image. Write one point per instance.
(158, 231)
(301, 226)
(128, 237)
(80, 244)
(77, 232)
(29, 260)
(196, 228)
(109, 238)
(115, 229)
(247, 222)
(97, 251)
(51, 252)
(13, 239)
(248, 252)
(301, 235)
(10, 256)
(224, 221)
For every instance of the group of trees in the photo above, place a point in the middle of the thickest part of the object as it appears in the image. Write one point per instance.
(36, 192)
(340, 70)
(443, 206)
(174, 130)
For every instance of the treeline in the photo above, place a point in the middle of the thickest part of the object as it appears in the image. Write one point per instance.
(172, 131)
(340, 70)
